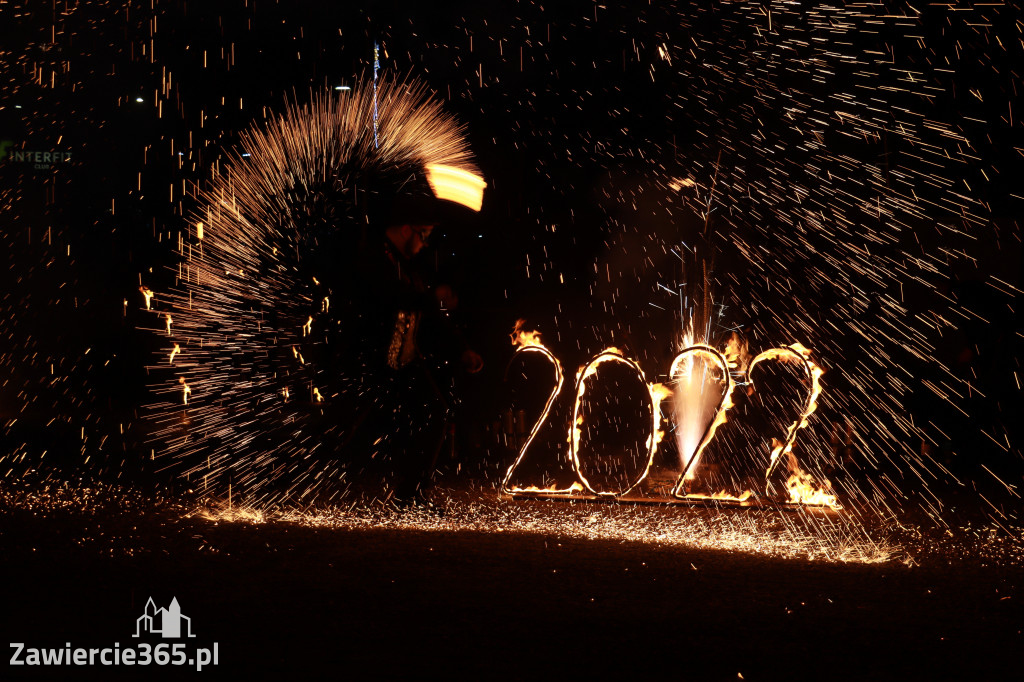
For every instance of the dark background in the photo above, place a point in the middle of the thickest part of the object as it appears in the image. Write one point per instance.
(580, 115)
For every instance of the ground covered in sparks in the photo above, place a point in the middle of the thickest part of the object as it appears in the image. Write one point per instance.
(481, 587)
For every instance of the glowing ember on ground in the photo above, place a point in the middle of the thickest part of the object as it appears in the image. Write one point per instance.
(755, 531)
(805, 535)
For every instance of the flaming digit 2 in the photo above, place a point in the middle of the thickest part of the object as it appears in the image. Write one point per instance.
(655, 391)
(529, 342)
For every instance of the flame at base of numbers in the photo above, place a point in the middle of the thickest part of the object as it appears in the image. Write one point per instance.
(802, 486)
(803, 489)
(552, 489)
(721, 495)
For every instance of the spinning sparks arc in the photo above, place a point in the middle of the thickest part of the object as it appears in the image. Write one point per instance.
(259, 302)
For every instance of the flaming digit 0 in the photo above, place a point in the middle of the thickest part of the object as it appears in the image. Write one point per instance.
(656, 392)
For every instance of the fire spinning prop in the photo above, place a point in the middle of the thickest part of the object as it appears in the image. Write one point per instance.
(250, 378)
(691, 384)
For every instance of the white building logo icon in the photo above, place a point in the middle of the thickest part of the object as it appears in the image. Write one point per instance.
(165, 622)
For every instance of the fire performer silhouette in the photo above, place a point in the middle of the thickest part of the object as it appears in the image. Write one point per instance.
(401, 341)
